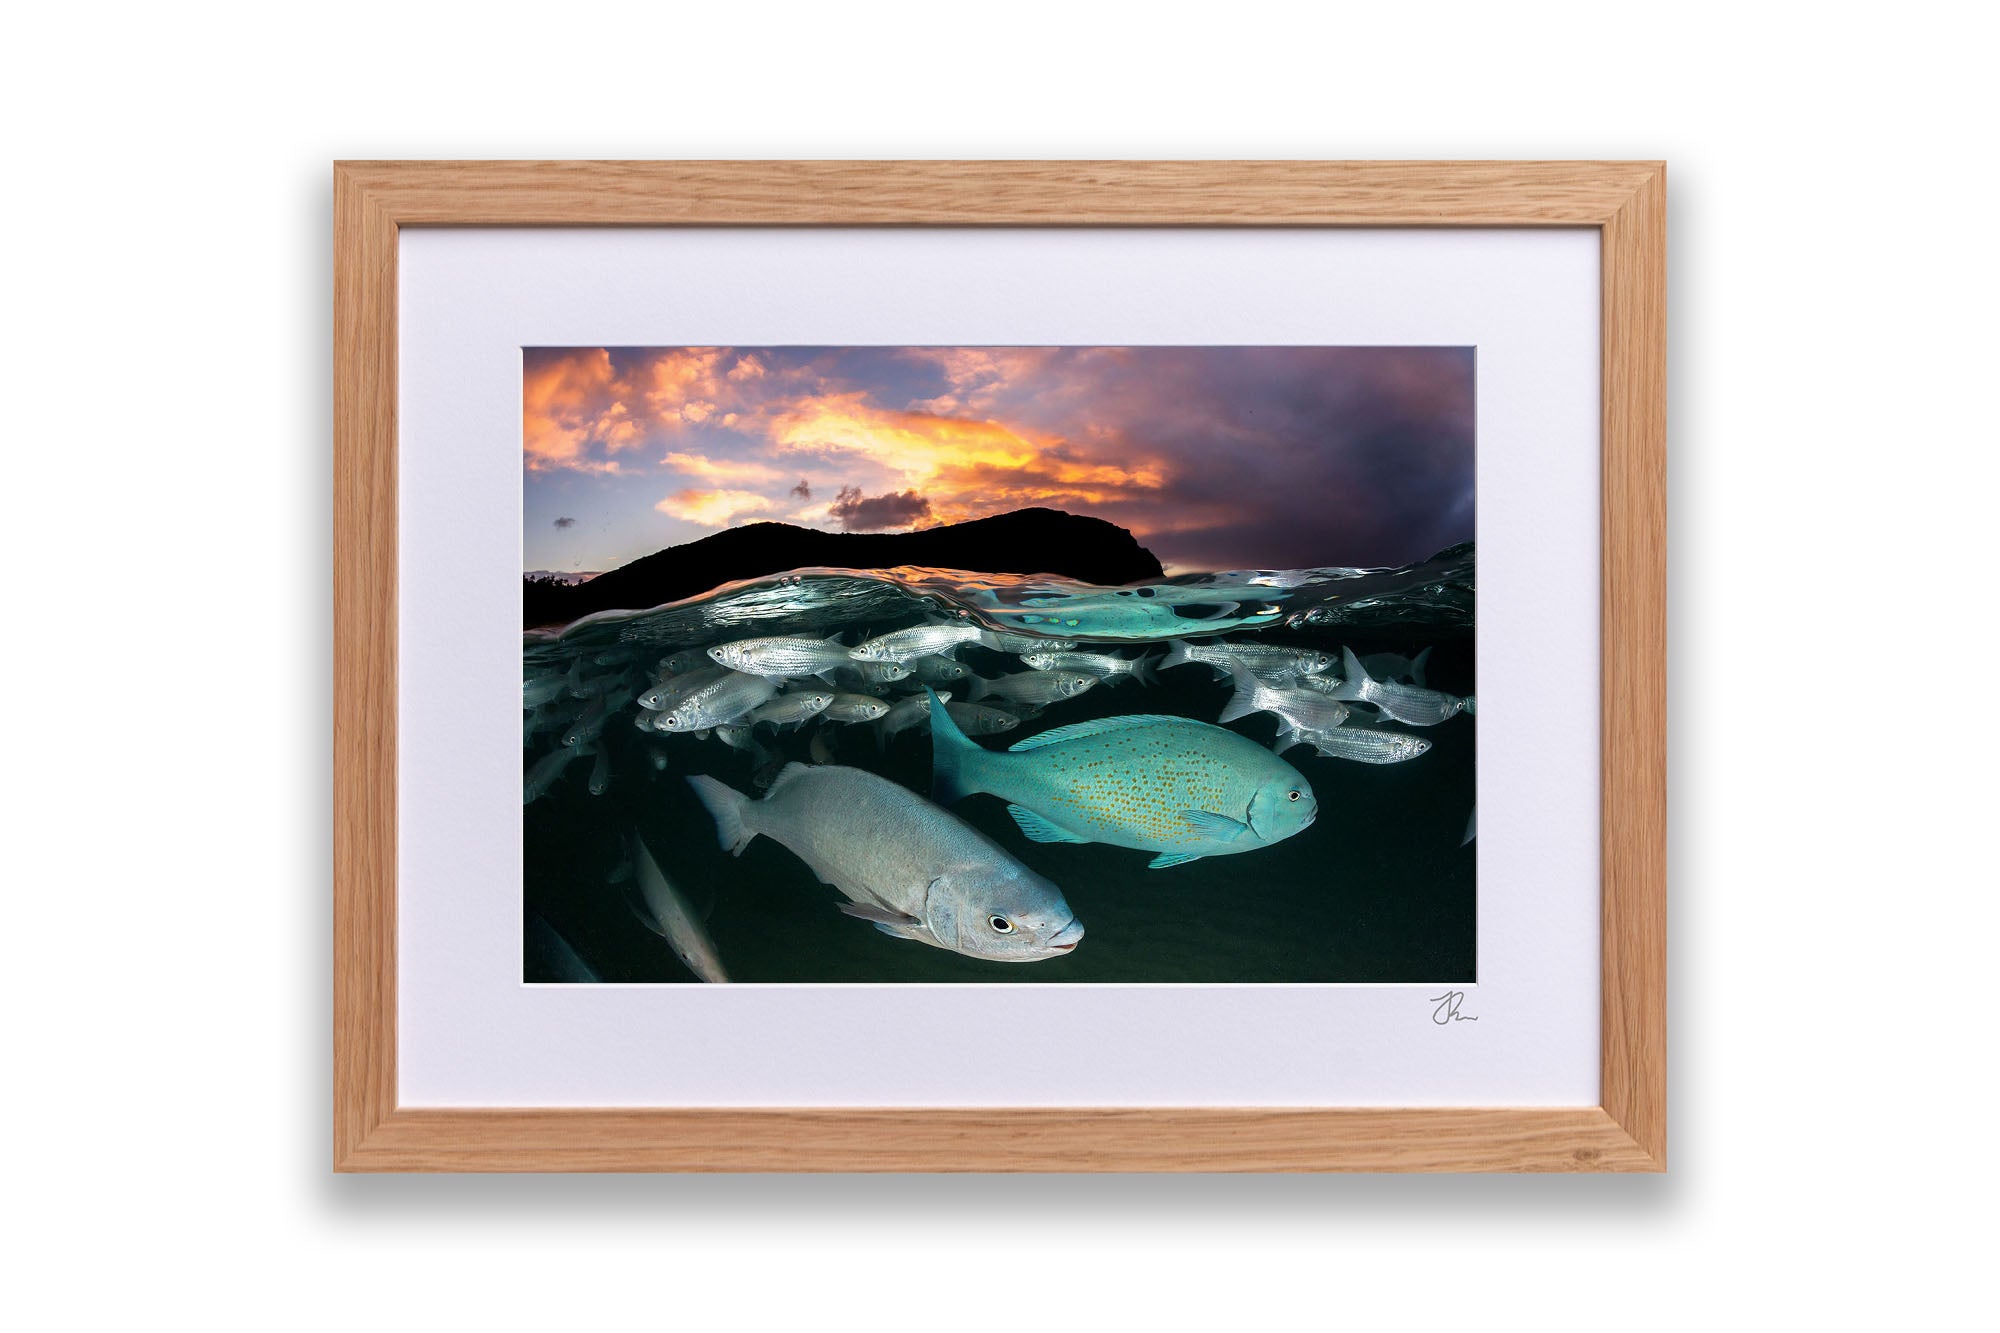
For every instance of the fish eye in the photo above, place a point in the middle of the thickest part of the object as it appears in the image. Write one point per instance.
(1001, 925)
(1292, 795)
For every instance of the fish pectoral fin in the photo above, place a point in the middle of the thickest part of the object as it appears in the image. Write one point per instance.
(1211, 825)
(1039, 829)
(881, 916)
(1165, 859)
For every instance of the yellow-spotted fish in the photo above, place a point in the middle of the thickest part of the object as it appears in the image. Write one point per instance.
(1170, 785)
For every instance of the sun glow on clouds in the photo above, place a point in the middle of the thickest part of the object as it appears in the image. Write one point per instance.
(966, 467)
(1230, 456)
(727, 412)
(917, 445)
(584, 404)
(570, 408)
(722, 469)
(715, 509)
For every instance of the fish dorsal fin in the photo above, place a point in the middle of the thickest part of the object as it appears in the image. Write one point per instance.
(1352, 668)
(1079, 729)
(1039, 829)
(788, 774)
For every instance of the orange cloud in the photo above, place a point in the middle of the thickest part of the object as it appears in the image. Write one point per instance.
(680, 376)
(618, 429)
(967, 467)
(723, 469)
(562, 400)
(918, 445)
(714, 509)
(979, 375)
(584, 406)
(578, 407)
(571, 404)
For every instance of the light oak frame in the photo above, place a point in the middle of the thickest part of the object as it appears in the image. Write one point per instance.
(1625, 201)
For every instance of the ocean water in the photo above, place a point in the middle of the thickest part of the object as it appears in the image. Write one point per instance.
(1379, 889)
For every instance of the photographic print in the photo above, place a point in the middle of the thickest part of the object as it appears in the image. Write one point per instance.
(998, 664)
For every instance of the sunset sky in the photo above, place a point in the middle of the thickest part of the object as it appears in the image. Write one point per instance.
(1216, 458)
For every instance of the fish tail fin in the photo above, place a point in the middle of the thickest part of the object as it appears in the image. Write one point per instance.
(1354, 679)
(1177, 655)
(1244, 702)
(951, 749)
(1141, 670)
(726, 805)
(980, 686)
(1417, 666)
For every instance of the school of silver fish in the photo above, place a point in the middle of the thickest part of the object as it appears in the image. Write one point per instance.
(1178, 787)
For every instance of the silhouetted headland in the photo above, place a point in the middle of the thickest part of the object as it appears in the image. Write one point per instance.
(1026, 541)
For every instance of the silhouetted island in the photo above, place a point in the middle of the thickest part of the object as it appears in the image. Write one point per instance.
(1026, 541)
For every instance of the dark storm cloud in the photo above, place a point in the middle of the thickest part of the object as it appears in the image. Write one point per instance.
(565, 522)
(1288, 457)
(872, 513)
(802, 491)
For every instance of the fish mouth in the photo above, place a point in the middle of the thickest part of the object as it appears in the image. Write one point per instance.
(1068, 937)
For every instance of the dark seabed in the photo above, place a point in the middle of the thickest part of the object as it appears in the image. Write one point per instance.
(1379, 889)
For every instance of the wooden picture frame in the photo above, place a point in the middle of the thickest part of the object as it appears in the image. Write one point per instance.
(1624, 201)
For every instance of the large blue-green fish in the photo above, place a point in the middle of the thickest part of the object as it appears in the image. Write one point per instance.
(1170, 785)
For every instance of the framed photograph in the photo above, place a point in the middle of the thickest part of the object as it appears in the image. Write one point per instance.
(1023, 666)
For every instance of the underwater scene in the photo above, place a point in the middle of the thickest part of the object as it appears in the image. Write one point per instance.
(928, 775)
(998, 664)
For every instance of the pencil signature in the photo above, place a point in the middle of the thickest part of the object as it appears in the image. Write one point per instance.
(1447, 1009)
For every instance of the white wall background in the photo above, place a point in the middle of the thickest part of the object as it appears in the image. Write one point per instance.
(166, 325)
